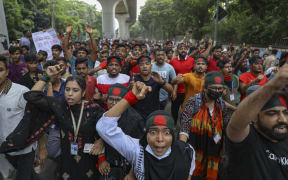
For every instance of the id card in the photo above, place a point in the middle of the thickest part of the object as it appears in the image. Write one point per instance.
(74, 148)
(87, 148)
(217, 138)
(232, 97)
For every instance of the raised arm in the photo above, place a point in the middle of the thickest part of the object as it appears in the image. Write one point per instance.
(207, 52)
(89, 30)
(66, 48)
(247, 111)
(107, 126)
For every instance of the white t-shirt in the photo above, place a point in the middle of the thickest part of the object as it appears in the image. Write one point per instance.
(12, 107)
(101, 72)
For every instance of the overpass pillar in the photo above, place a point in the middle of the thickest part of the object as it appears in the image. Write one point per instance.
(108, 16)
(123, 26)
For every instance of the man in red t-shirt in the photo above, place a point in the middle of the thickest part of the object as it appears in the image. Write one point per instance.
(136, 53)
(113, 76)
(182, 64)
(81, 67)
(254, 77)
(212, 65)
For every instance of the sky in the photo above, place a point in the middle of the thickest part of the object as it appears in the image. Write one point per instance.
(98, 6)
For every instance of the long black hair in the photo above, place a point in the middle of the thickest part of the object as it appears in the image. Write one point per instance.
(79, 79)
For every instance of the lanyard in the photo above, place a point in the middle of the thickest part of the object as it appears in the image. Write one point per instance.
(232, 86)
(76, 128)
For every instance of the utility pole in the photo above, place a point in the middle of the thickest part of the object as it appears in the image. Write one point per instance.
(53, 2)
(216, 23)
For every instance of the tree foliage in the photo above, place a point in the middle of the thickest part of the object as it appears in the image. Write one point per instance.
(35, 15)
(261, 21)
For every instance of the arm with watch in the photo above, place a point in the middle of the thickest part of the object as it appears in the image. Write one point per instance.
(156, 77)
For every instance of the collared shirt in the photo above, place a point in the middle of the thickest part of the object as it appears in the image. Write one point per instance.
(12, 107)
(182, 67)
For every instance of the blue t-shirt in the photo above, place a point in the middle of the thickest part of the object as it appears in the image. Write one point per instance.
(72, 62)
(60, 93)
(167, 73)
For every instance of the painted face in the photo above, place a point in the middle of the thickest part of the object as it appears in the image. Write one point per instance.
(273, 122)
(73, 93)
(159, 139)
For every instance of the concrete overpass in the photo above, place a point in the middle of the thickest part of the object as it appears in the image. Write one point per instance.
(125, 11)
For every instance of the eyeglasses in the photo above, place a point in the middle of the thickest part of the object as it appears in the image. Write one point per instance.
(112, 99)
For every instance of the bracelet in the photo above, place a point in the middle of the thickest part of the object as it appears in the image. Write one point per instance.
(101, 159)
(45, 78)
(131, 98)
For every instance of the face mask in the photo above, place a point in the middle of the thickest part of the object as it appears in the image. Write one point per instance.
(213, 95)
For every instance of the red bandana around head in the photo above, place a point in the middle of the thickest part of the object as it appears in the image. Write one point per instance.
(218, 79)
(160, 120)
(113, 60)
(283, 101)
(116, 91)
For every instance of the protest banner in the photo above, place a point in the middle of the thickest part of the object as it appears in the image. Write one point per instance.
(44, 40)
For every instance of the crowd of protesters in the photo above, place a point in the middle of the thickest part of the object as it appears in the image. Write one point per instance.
(135, 109)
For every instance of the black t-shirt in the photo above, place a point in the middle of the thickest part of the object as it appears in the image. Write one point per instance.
(151, 102)
(27, 81)
(257, 158)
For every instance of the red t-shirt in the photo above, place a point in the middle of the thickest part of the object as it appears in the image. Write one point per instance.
(182, 66)
(247, 77)
(212, 65)
(90, 88)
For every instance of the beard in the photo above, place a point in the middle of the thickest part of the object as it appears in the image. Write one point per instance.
(271, 132)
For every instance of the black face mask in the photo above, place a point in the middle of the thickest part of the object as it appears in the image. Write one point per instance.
(213, 95)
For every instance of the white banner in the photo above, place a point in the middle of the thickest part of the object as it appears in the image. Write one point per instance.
(44, 40)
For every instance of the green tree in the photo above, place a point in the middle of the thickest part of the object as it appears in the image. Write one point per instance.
(35, 15)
